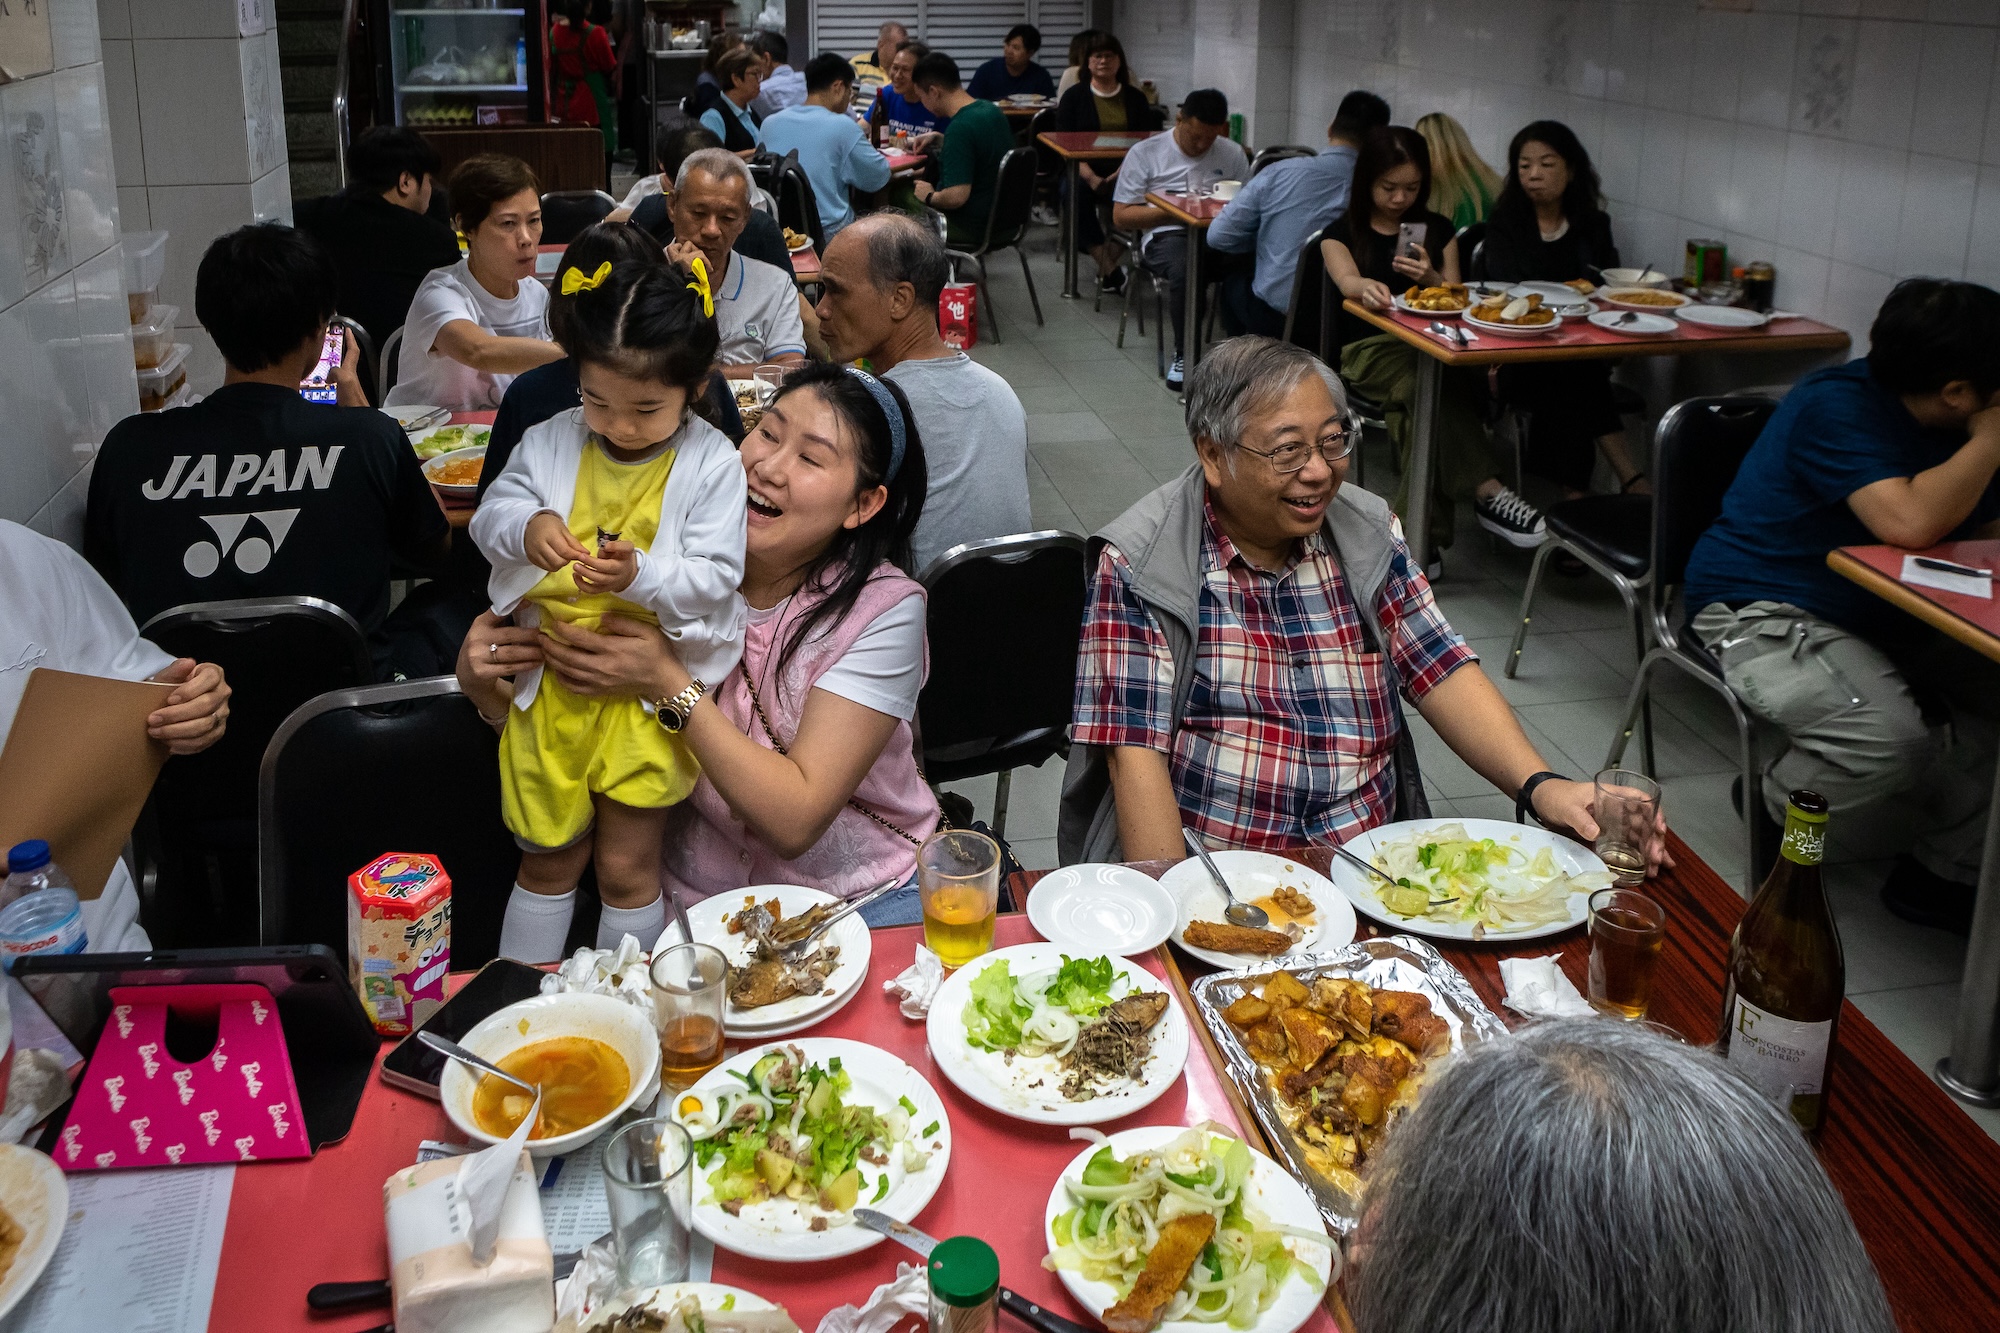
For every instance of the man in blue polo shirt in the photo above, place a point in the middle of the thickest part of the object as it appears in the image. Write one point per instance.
(831, 146)
(1900, 447)
(1282, 205)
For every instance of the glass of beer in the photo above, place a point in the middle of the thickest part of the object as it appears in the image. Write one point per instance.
(690, 982)
(1627, 806)
(958, 879)
(1626, 932)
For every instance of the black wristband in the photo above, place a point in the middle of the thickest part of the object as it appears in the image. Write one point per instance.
(1524, 802)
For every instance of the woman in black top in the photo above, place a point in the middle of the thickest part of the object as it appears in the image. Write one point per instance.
(1391, 190)
(1104, 102)
(1549, 225)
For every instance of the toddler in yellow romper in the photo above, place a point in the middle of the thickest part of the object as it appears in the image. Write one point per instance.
(627, 506)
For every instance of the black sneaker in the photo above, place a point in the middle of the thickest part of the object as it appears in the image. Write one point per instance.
(1511, 519)
(1916, 895)
(1113, 282)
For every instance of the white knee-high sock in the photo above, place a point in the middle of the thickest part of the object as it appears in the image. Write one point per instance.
(641, 923)
(536, 925)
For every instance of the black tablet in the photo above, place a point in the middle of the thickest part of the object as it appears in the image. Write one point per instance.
(327, 1033)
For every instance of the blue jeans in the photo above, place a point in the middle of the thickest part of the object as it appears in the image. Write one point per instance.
(898, 907)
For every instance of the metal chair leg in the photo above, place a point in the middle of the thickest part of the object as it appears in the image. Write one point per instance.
(1542, 554)
(1640, 695)
(1160, 330)
(1002, 785)
(1628, 591)
(1125, 312)
(1029, 278)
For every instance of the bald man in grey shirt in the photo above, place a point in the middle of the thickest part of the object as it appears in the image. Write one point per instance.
(882, 276)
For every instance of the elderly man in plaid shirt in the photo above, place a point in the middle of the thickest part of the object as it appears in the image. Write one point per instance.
(1251, 631)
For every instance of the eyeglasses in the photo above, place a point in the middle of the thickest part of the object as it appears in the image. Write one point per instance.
(1289, 458)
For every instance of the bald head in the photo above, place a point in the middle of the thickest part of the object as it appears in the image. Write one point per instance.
(887, 38)
(882, 276)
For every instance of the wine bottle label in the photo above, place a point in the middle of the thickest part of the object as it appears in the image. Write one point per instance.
(1782, 1058)
(1805, 838)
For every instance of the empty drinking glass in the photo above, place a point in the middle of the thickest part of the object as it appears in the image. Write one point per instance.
(1627, 807)
(649, 1183)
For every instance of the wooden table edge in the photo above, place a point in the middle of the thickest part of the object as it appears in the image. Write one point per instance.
(1761, 341)
(1897, 594)
(1166, 205)
(1046, 140)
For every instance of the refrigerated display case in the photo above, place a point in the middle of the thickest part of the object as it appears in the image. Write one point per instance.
(456, 64)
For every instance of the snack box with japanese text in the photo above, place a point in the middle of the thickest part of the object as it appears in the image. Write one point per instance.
(399, 939)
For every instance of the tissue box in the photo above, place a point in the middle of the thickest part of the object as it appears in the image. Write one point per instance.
(399, 939)
(436, 1285)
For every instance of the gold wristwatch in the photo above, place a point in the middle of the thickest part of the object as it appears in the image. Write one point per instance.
(673, 714)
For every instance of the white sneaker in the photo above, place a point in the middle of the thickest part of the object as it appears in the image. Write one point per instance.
(1510, 518)
(1046, 215)
(1177, 374)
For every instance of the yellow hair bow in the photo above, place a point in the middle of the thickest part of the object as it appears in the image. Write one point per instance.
(700, 285)
(573, 280)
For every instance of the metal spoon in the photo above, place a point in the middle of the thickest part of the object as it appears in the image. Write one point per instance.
(457, 1052)
(1240, 914)
(1363, 866)
(680, 916)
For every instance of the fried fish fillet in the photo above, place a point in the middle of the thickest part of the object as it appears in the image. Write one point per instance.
(1234, 939)
(1167, 1266)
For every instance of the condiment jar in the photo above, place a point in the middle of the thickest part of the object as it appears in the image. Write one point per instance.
(965, 1286)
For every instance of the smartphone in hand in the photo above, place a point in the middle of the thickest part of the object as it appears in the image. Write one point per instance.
(318, 386)
(1410, 240)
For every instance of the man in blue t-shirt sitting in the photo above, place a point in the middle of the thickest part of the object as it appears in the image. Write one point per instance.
(1013, 72)
(1900, 447)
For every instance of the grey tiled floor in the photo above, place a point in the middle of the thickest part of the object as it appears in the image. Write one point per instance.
(1103, 430)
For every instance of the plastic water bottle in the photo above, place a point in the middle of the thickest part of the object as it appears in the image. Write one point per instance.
(29, 870)
(50, 921)
(521, 62)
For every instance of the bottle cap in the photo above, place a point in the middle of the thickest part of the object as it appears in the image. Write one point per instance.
(26, 856)
(964, 1271)
(1807, 805)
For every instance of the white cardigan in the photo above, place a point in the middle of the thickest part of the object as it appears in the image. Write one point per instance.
(688, 579)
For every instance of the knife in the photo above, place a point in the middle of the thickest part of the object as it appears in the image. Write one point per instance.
(325, 1296)
(1023, 1309)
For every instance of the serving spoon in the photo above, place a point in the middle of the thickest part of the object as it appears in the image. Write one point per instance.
(445, 1046)
(1237, 913)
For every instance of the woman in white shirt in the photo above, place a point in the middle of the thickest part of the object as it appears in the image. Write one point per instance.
(474, 326)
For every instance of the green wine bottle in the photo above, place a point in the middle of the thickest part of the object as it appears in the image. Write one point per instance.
(1781, 997)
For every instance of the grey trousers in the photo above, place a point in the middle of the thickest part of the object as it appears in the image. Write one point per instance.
(1855, 730)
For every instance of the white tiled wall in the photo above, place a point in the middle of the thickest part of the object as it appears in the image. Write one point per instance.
(1849, 142)
(65, 343)
(197, 132)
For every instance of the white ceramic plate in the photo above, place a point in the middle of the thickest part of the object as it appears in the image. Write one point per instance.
(1027, 1087)
(1276, 1195)
(431, 467)
(470, 437)
(36, 1196)
(1653, 300)
(1254, 875)
(776, 1229)
(1558, 295)
(1574, 858)
(1409, 309)
(410, 413)
(1723, 316)
(705, 918)
(1633, 324)
(711, 1296)
(1549, 329)
(1094, 909)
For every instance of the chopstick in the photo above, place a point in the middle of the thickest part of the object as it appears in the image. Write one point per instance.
(1948, 567)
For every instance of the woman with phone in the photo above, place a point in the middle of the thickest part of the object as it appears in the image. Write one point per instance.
(1389, 242)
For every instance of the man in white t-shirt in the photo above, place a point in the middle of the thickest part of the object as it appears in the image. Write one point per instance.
(756, 304)
(55, 612)
(1193, 158)
(882, 276)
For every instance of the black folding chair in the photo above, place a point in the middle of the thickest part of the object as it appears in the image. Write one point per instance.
(1277, 153)
(566, 214)
(1312, 322)
(1006, 225)
(984, 711)
(798, 208)
(365, 364)
(390, 368)
(1696, 453)
(199, 861)
(407, 767)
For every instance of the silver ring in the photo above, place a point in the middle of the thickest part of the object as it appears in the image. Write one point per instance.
(492, 650)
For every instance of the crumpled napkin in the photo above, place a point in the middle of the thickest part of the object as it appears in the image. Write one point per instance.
(892, 1302)
(916, 984)
(620, 972)
(36, 1090)
(1537, 988)
(590, 1284)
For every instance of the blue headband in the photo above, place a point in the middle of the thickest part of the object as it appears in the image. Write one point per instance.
(887, 402)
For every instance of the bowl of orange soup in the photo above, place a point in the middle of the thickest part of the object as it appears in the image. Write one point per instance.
(594, 1058)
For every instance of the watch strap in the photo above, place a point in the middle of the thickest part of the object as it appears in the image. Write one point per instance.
(1524, 802)
(674, 713)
